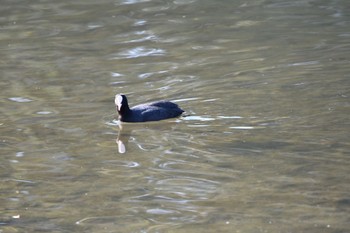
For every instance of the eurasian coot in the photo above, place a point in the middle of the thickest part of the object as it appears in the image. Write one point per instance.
(154, 111)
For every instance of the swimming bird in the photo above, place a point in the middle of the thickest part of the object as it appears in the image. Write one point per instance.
(154, 111)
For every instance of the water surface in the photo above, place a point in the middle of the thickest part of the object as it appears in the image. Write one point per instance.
(264, 147)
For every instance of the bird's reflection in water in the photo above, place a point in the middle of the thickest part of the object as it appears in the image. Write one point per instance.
(128, 131)
(121, 146)
(123, 137)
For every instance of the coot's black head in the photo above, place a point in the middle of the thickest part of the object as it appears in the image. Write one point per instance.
(121, 102)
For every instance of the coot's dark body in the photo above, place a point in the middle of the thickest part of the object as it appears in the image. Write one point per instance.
(154, 111)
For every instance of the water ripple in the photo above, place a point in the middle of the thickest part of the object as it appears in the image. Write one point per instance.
(130, 164)
(129, 2)
(20, 99)
(140, 52)
(192, 188)
(242, 127)
(199, 118)
(306, 63)
(160, 211)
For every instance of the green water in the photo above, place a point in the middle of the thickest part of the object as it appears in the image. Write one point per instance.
(265, 147)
